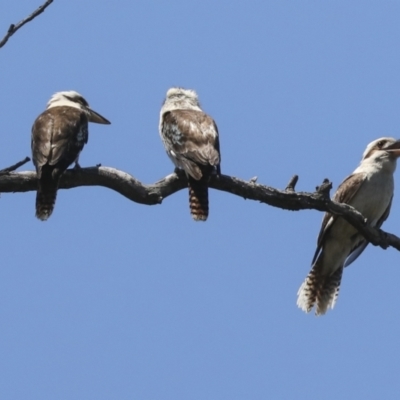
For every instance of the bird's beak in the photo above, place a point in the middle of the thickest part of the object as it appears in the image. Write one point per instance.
(97, 118)
(394, 148)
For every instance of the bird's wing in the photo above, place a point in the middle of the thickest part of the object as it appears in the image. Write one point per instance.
(58, 135)
(217, 148)
(356, 252)
(41, 138)
(364, 243)
(191, 137)
(344, 194)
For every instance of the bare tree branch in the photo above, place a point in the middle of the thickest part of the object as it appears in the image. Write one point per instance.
(152, 194)
(13, 28)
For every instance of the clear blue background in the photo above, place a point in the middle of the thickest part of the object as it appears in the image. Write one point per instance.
(110, 299)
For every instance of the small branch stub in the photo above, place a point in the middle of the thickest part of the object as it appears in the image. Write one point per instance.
(325, 188)
(292, 184)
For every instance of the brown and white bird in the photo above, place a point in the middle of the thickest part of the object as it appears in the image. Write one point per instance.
(191, 140)
(369, 189)
(58, 136)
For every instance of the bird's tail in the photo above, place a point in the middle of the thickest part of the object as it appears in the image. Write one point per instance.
(46, 193)
(319, 290)
(198, 198)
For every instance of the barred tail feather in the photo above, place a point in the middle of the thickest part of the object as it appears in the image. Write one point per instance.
(198, 198)
(46, 194)
(319, 290)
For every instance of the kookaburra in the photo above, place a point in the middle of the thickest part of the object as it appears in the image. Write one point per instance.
(191, 140)
(58, 136)
(369, 189)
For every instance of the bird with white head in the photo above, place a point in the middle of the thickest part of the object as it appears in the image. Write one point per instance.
(58, 136)
(369, 189)
(191, 140)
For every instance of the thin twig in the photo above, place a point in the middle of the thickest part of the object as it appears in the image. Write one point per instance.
(13, 28)
(13, 167)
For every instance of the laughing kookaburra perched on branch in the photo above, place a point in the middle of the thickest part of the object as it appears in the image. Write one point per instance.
(58, 136)
(369, 189)
(191, 140)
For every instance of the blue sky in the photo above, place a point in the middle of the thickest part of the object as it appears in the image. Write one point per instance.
(114, 300)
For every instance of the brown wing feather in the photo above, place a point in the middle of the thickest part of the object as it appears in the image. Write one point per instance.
(58, 136)
(191, 138)
(342, 195)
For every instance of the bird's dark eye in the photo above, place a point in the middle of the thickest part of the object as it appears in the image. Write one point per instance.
(381, 143)
(82, 101)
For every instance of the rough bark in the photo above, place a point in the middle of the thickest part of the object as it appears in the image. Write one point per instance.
(151, 194)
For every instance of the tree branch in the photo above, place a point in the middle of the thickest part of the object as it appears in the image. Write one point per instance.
(13, 28)
(152, 194)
